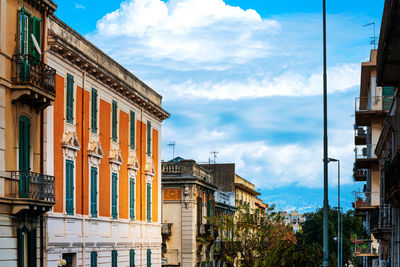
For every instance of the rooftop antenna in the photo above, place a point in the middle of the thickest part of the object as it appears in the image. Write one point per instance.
(374, 38)
(172, 145)
(214, 153)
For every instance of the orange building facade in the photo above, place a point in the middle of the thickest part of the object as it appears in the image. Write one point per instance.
(103, 148)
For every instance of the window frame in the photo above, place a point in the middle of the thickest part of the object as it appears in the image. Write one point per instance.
(114, 121)
(132, 198)
(69, 187)
(69, 99)
(114, 196)
(94, 111)
(132, 129)
(94, 191)
(148, 138)
(148, 202)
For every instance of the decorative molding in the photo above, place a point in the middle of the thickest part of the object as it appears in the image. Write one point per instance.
(70, 145)
(115, 160)
(149, 170)
(133, 165)
(95, 153)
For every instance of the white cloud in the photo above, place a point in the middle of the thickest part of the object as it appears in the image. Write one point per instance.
(79, 6)
(340, 78)
(194, 31)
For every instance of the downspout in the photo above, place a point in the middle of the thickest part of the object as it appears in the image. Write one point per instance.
(41, 147)
(82, 167)
(141, 171)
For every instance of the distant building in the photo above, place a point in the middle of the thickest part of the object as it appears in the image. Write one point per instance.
(260, 205)
(188, 199)
(294, 219)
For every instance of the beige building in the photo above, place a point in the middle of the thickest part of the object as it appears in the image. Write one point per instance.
(294, 219)
(188, 199)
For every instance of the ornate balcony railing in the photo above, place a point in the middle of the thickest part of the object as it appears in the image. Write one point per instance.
(366, 200)
(373, 103)
(27, 69)
(381, 218)
(365, 248)
(365, 151)
(166, 229)
(206, 229)
(31, 186)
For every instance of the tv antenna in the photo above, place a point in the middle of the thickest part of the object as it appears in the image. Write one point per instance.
(373, 40)
(172, 145)
(214, 153)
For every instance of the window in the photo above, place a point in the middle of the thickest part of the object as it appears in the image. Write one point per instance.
(114, 120)
(70, 98)
(131, 258)
(93, 259)
(29, 25)
(93, 192)
(199, 210)
(132, 199)
(149, 258)
(149, 202)
(114, 258)
(149, 138)
(132, 134)
(26, 244)
(114, 196)
(94, 111)
(69, 190)
(24, 155)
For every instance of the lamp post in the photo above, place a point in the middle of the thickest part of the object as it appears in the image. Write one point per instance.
(340, 230)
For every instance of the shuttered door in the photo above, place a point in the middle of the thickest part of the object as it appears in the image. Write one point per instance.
(131, 258)
(36, 33)
(114, 258)
(114, 201)
(149, 258)
(24, 155)
(93, 193)
(132, 199)
(149, 202)
(93, 259)
(24, 69)
(69, 173)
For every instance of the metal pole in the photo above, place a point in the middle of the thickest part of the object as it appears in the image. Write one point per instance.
(341, 219)
(325, 210)
(339, 212)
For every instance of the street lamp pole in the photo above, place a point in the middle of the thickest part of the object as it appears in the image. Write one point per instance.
(325, 262)
(340, 228)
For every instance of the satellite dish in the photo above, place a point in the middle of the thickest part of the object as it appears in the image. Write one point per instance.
(36, 44)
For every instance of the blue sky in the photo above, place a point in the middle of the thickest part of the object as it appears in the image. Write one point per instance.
(244, 78)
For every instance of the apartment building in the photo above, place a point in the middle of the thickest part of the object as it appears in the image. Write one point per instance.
(371, 109)
(188, 200)
(27, 90)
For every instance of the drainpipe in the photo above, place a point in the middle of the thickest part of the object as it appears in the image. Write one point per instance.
(41, 241)
(82, 173)
(141, 171)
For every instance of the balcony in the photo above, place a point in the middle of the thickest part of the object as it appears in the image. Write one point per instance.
(366, 248)
(360, 135)
(370, 107)
(206, 230)
(28, 192)
(366, 200)
(360, 175)
(166, 229)
(392, 181)
(33, 81)
(381, 222)
(365, 156)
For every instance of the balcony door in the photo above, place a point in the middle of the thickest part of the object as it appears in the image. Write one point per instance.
(24, 158)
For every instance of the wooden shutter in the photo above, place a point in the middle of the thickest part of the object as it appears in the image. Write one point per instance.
(132, 199)
(149, 138)
(114, 196)
(149, 202)
(36, 23)
(93, 193)
(69, 187)
(24, 143)
(114, 120)
(70, 98)
(132, 130)
(93, 259)
(94, 111)
(149, 258)
(114, 258)
(32, 259)
(132, 258)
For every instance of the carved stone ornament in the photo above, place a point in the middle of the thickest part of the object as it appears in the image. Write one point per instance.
(133, 165)
(115, 159)
(70, 145)
(95, 153)
(149, 171)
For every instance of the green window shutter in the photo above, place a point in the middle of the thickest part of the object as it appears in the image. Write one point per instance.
(132, 130)
(70, 98)
(24, 143)
(69, 187)
(32, 259)
(149, 258)
(149, 138)
(20, 247)
(132, 199)
(94, 111)
(93, 259)
(93, 193)
(149, 202)
(131, 258)
(114, 200)
(30, 31)
(36, 23)
(114, 258)
(114, 120)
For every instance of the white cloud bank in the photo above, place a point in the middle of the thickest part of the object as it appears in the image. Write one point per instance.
(340, 78)
(194, 31)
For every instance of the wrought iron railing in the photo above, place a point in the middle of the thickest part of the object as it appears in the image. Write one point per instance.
(360, 173)
(28, 69)
(373, 103)
(166, 229)
(206, 229)
(365, 248)
(366, 199)
(381, 218)
(392, 174)
(365, 151)
(361, 131)
(31, 185)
